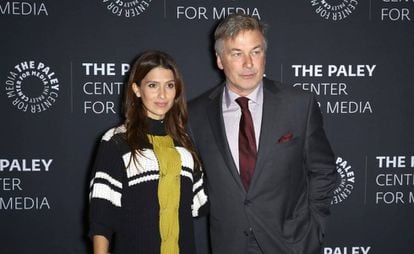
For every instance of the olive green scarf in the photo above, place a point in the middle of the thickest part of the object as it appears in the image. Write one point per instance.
(169, 161)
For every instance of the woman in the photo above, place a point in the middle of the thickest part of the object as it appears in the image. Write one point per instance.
(147, 183)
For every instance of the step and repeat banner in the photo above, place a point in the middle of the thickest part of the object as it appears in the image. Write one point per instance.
(62, 73)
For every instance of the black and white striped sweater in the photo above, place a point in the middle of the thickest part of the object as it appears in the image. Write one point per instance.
(123, 197)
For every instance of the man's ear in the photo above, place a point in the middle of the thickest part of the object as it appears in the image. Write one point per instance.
(218, 61)
(136, 90)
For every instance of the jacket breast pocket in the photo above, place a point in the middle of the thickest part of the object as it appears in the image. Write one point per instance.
(294, 142)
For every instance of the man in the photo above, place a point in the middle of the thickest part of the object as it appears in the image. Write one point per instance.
(269, 167)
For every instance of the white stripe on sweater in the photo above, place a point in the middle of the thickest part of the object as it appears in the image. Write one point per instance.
(110, 133)
(187, 174)
(186, 157)
(198, 184)
(142, 179)
(199, 200)
(146, 162)
(103, 191)
(105, 176)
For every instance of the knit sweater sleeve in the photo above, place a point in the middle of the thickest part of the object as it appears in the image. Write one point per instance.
(106, 189)
(200, 200)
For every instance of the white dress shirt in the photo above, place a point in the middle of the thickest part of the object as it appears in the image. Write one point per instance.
(232, 114)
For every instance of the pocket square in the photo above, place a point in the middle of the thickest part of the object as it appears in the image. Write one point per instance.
(285, 138)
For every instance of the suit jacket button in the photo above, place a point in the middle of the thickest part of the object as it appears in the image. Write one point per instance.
(246, 233)
(247, 202)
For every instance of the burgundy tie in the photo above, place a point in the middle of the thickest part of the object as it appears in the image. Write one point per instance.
(247, 143)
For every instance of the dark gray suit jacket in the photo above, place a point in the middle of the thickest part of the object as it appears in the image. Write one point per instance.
(288, 200)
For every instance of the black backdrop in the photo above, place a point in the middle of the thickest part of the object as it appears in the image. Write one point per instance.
(63, 64)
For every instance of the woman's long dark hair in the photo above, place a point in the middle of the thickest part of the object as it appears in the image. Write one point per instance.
(136, 115)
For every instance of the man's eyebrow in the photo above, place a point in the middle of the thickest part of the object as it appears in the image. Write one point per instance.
(258, 47)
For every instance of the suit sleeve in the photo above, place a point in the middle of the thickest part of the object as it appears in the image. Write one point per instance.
(320, 163)
(106, 190)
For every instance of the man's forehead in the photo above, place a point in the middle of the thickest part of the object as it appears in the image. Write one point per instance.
(245, 35)
(245, 32)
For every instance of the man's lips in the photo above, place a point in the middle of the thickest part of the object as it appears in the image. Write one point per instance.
(248, 75)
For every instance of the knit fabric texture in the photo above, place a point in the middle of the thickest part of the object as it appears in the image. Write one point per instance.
(127, 199)
(168, 191)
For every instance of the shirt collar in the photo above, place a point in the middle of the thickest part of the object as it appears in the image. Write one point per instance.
(256, 96)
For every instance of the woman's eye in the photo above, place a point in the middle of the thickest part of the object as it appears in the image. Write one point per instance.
(151, 85)
(170, 85)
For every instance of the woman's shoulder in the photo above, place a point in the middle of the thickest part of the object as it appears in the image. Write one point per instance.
(114, 139)
(114, 132)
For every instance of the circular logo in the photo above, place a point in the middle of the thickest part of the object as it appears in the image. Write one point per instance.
(32, 87)
(128, 9)
(334, 9)
(345, 183)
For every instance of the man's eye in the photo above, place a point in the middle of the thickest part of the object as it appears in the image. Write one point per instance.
(256, 52)
(236, 54)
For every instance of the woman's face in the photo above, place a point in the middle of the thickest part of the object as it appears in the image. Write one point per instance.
(157, 92)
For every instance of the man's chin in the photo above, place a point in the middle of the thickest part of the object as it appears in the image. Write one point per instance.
(244, 89)
(249, 85)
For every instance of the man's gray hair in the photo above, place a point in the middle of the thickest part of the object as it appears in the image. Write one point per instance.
(232, 25)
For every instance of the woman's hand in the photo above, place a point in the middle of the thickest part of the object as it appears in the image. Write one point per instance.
(100, 244)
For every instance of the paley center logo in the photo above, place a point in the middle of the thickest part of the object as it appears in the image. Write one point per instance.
(334, 9)
(23, 8)
(32, 87)
(346, 182)
(127, 9)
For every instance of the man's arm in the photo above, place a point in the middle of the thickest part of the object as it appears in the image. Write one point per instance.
(320, 162)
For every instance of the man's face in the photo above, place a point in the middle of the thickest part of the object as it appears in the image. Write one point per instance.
(242, 59)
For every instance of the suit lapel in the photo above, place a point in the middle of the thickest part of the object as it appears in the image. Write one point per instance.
(271, 123)
(216, 120)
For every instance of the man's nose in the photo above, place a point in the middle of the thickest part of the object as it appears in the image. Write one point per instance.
(248, 61)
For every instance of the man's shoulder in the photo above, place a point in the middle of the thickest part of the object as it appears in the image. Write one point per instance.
(206, 96)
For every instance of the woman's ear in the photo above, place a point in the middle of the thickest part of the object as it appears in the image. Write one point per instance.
(135, 88)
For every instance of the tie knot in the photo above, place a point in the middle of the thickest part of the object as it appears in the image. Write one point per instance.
(243, 102)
